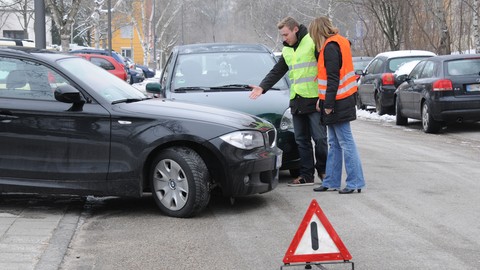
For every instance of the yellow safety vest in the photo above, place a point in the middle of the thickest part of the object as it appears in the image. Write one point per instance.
(303, 68)
(348, 83)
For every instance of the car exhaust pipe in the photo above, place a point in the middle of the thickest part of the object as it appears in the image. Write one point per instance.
(459, 120)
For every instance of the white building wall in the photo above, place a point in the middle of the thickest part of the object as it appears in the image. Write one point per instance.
(14, 21)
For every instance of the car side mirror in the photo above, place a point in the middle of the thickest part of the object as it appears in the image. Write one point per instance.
(359, 72)
(154, 88)
(69, 94)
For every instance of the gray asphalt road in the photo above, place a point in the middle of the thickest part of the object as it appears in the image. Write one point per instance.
(420, 210)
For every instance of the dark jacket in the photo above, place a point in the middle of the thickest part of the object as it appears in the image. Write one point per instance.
(298, 105)
(343, 109)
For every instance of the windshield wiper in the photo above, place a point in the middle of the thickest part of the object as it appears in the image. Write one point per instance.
(236, 86)
(127, 100)
(190, 88)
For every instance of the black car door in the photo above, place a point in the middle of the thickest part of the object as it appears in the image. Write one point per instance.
(420, 88)
(42, 143)
(408, 93)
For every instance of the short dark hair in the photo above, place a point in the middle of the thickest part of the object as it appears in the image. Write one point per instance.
(288, 22)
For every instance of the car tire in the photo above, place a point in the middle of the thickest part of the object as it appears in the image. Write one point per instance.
(360, 105)
(378, 105)
(179, 182)
(429, 124)
(400, 120)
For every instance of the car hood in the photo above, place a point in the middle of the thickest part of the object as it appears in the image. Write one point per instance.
(170, 109)
(270, 106)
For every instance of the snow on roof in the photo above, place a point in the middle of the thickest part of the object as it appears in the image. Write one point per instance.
(404, 53)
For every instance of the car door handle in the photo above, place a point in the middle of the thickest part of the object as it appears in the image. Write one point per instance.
(7, 117)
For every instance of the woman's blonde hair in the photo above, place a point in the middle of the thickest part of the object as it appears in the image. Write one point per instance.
(320, 29)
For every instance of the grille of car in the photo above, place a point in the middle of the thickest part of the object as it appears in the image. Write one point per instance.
(272, 137)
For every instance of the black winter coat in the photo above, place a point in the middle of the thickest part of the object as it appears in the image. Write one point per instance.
(343, 109)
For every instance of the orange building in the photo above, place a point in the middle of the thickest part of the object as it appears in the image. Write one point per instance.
(128, 30)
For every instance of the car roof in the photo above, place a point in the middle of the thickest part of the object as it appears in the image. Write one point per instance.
(403, 53)
(44, 54)
(453, 57)
(360, 58)
(221, 47)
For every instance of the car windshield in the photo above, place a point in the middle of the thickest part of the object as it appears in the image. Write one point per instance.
(205, 70)
(101, 81)
(462, 67)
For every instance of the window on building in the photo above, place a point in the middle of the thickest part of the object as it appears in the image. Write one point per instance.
(16, 34)
(127, 52)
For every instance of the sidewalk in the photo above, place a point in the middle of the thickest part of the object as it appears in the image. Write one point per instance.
(35, 231)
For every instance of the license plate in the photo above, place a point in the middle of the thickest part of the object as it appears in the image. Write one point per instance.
(473, 87)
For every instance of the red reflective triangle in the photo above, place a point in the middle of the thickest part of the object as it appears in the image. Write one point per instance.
(316, 240)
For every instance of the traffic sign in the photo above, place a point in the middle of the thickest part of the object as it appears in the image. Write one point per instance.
(316, 240)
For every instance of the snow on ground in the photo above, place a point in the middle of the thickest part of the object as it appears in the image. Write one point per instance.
(372, 115)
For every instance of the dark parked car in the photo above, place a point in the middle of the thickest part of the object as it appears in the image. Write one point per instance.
(147, 72)
(439, 90)
(136, 75)
(376, 85)
(68, 126)
(219, 75)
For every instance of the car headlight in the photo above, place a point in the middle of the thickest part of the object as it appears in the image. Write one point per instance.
(287, 120)
(245, 139)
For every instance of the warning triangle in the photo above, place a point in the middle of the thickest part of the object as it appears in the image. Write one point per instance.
(316, 240)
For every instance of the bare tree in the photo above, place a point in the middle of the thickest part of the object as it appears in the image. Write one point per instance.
(21, 10)
(476, 30)
(63, 13)
(165, 34)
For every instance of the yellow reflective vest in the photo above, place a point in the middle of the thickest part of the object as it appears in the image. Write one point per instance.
(302, 66)
(348, 83)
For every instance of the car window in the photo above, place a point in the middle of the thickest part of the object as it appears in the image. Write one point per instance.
(395, 63)
(371, 67)
(463, 67)
(428, 70)
(103, 63)
(415, 74)
(27, 80)
(217, 69)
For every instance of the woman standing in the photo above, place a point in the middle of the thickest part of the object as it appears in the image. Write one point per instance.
(336, 90)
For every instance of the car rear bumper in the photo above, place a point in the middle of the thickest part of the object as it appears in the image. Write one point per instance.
(249, 172)
(387, 96)
(450, 109)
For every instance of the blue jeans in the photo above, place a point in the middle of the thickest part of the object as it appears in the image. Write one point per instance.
(306, 128)
(343, 146)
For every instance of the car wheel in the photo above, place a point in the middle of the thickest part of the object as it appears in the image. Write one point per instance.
(179, 182)
(428, 123)
(378, 105)
(360, 105)
(400, 120)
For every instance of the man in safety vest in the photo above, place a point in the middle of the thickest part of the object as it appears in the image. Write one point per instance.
(337, 86)
(299, 56)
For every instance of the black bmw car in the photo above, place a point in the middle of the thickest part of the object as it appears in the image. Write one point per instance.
(440, 90)
(218, 74)
(68, 126)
